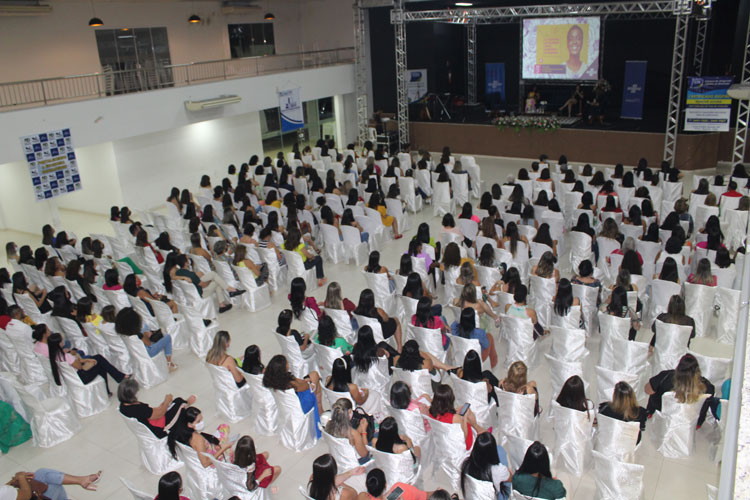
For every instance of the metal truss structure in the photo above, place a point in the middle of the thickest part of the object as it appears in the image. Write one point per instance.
(682, 10)
(360, 70)
(743, 108)
(701, 29)
(471, 62)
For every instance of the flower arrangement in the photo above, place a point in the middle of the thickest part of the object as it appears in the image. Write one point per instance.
(541, 123)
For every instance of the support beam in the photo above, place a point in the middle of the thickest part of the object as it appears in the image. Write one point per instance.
(743, 108)
(701, 28)
(360, 70)
(675, 86)
(401, 81)
(471, 63)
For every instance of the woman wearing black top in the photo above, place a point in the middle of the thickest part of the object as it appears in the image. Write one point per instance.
(624, 406)
(251, 361)
(285, 328)
(675, 315)
(366, 307)
(686, 382)
(158, 419)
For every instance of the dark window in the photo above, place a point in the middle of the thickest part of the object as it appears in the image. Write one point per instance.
(250, 40)
(138, 57)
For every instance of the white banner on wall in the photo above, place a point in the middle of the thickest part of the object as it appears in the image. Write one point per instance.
(290, 106)
(52, 163)
(416, 86)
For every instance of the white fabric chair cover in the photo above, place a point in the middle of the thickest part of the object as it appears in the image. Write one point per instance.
(343, 324)
(568, 343)
(617, 480)
(587, 295)
(9, 361)
(541, 298)
(377, 330)
(606, 380)
(479, 490)
(88, 399)
(297, 428)
(411, 423)
(198, 482)
(72, 332)
(408, 194)
(515, 415)
(376, 379)
(205, 306)
(561, 370)
(342, 450)
(418, 380)
(580, 249)
(137, 494)
(331, 397)
(148, 371)
(442, 203)
(355, 248)
(324, 358)
(334, 249)
(232, 480)
(19, 334)
(398, 467)
(673, 428)
(277, 274)
(29, 307)
(233, 403)
(661, 292)
(616, 438)
(516, 448)
(736, 228)
(699, 300)
(488, 276)
(429, 340)
(728, 303)
(407, 307)
(299, 364)
(629, 357)
(52, 420)
(172, 324)
(573, 432)
(9, 394)
(459, 347)
(154, 453)
(460, 188)
(521, 344)
(449, 439)
(571, 320)
(118, 353)
(395, 208)
(672, 191)
(671, 344)
(256, 298)
(296, 269)
(265, 414)
(423, 181)
(715, 369)
(117, 298)
(201, 336)
(475, 393)
(378, 283)
(612, 327)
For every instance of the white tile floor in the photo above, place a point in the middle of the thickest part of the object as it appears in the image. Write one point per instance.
(106, 444)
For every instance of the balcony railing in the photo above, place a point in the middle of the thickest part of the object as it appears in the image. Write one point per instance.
(32, 93)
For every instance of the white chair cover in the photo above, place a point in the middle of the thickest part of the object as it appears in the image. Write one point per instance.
(116, 349)
(376, 379)
(9, 394)
(429, 340)
(460, 347)
(398, 467)
(297, 428)
(630, 357)
(408, 190)
(148, 371)
(418, 380)
(378, 283)
(198, 482)
(137, 494)
(515, 415)
(333, 247)
(395, 208)
(88, 399)
(355, 248)
(296, 269)
(411, 423)
(299, 364)
(265, 414)
(617, 480)
(715, 369)
(521, 344)
(277, 274)
(516, 448)
(479, 490)
(606, 380)
(475, 393)
(172, 324)
(202, 336)
(233, 403)
(256, 297)
(154, 453)
(541, 298)
(736, 228)
(449, 438)
(232, 480)
(673, 428)
(588, 295)
(331, 397)
(343, 324)
(616, 438)
(52, 420)
(442, 203)
(573, 431)
(205, 306)
(728, 303)
(571, 320)
(9, 361)
(72, 332)
(342, 450)
(19, 334)
(661, 292)
(560, 371)
(580, 249)
(568, 343)
(671, 344)
(612, 327)
(699, 300)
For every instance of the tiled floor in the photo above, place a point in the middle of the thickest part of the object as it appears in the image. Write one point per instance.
(106, 444)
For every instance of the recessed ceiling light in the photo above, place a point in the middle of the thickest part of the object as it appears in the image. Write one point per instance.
(464, 4)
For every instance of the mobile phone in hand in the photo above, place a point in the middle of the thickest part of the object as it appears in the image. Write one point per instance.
(395, 494)
(464, 409)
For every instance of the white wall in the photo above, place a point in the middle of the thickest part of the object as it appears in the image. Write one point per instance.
(101, 188)
(149, 165)
(61, 43)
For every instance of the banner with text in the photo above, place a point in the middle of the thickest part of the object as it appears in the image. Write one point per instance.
(52, 163)
(633, 90)
(494, 80)
(708, 105)
(290, 106)
(416, 85)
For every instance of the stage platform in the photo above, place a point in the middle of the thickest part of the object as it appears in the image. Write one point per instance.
(694, 151)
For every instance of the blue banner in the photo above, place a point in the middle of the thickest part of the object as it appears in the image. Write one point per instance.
(495, 79)
(709, 106)
(290, 105)
(633, 89)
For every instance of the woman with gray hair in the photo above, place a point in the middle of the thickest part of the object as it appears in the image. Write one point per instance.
(158, 419)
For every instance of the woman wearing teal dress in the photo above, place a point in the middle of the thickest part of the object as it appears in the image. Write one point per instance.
(14, 429)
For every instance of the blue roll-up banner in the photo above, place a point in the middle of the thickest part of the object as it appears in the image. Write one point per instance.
(290, 105)
(633, 90)
(495, 79)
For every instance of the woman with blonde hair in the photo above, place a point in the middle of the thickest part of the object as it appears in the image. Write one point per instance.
(517, 383)
(469, 299)
(467, 275)
(624, 406)
(334, 300)
(545, 268)
(686, 382)
(218, 356)
(339, 426)
(703, 274)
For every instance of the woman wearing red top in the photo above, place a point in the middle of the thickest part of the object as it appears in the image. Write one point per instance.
(335, 301)
(259, 471)
(141, 240)
(170, 487)
(703, 275)
(443, 409)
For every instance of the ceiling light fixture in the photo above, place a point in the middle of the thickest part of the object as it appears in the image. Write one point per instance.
(464, 4)
(269, 17)
(194, 19)
(94, 21)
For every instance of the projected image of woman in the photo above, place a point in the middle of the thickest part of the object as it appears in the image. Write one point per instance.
(574, 66)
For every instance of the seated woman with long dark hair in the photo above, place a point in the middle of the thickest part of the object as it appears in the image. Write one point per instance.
(572, 395)
(471, 371)
(443, 409)
(366, 307)
(389, 440)
(278, 376)
(533, 478)
(412, 358)
(129, 323)
(133, 287)
(467, 328)
(488, 462)
(327, 484)
(284, 327)
(188, 430)
(259, 472)
(618, 306)
(294, 243)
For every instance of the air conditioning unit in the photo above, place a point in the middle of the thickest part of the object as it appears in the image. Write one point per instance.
(21, 8)
(238, 7)
(216, 102)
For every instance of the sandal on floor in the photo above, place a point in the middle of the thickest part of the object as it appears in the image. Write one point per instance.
(91, 485)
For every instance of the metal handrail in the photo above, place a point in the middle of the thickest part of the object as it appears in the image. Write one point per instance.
(45, 91)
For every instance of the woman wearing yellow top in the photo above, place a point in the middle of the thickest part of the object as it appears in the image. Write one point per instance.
(294, 243)
(272, 199)
(241, 260)
(376, 203)
(85, 314)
